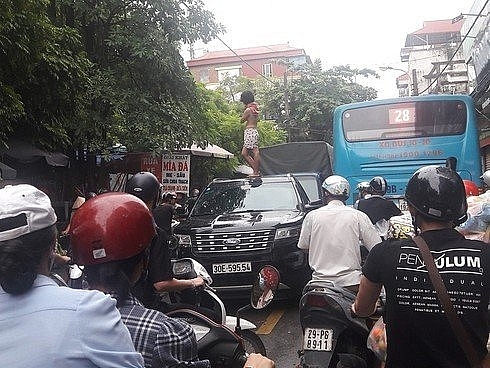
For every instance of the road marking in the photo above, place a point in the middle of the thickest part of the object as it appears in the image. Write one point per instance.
(270, 322)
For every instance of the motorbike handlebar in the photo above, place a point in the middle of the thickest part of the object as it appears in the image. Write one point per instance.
(239, 361)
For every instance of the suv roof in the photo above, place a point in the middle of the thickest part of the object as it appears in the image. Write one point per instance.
(266, 178)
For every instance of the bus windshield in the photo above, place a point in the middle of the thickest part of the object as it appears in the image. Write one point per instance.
(404, 120)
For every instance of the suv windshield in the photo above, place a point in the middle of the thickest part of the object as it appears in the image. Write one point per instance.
(310, 185)
(228, 197)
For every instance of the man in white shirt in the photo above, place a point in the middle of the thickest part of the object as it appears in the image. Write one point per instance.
(331, 235)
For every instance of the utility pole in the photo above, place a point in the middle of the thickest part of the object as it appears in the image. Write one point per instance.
(286, 104)
(415, 86)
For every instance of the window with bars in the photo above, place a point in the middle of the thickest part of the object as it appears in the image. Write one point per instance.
(267, 70)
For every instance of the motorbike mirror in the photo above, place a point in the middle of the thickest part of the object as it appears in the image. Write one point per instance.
(173, 243)
(264, 287)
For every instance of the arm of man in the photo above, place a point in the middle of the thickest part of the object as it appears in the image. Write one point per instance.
(395, 211)
(369, 235)
(245, 115)
(367, 297)
(174, 284)
(259, 361)
(305, 234)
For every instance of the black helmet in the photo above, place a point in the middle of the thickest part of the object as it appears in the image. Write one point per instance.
(438, 193)
(378, 185)
(145, 186)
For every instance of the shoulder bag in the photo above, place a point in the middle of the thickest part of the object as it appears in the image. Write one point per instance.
(456, 324)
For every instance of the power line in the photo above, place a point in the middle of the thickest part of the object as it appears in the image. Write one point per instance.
(482, 114)
(457, 49)
(238, 56)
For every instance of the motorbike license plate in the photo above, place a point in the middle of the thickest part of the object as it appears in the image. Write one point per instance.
(234, 267)
(402, 205)
(320, 339)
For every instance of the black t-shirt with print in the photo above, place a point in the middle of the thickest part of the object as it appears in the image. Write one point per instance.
(418, 333)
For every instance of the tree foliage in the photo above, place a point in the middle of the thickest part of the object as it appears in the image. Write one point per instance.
(94, 73)
(148, 99)
(312, 94)
(43, 73)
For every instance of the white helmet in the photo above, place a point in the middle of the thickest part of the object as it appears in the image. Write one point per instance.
(486, 178)
(337, 186)
(363, 185)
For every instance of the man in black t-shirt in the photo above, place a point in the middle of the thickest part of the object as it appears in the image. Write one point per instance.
(378, 208)
(160, 277)
(164, 214)
(418, 331)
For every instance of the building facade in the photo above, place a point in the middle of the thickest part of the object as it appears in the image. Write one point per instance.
(476, 50)
(435, 60)
(271, 62)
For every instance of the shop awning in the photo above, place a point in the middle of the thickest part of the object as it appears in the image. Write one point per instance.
(6, 172)
(27, 153)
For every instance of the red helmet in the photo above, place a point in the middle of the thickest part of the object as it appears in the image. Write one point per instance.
(110, 227)
(470, 188)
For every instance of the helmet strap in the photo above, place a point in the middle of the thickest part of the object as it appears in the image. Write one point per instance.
(415, 223)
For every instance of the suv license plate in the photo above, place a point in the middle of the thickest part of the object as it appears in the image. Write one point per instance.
(318, 339)
(235, 267)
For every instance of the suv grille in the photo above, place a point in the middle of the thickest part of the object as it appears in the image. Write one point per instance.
(234, 242)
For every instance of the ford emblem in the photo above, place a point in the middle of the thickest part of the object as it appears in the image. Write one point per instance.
(231, 241)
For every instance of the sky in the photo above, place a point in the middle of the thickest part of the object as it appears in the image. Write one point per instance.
(360, 33)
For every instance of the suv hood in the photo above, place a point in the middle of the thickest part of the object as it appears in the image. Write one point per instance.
(241, 220)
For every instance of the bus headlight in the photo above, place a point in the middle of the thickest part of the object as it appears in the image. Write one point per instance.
(183, 241)
(287, 232)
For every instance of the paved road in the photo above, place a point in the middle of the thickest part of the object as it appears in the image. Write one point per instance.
(279, 329)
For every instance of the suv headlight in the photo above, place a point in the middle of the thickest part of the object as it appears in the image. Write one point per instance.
(287, 232)
(183, 240)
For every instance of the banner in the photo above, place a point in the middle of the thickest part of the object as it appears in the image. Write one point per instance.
(176, 173)
(152, 164)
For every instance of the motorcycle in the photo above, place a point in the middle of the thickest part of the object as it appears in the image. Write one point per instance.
(332, 336)
(222, 346)
(204, 300)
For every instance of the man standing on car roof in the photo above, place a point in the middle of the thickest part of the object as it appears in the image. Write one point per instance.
(331, 236)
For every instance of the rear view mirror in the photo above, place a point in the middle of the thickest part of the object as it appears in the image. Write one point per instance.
(264, 287)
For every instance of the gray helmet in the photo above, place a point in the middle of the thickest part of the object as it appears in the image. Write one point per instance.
(363, 185)
(337, 186)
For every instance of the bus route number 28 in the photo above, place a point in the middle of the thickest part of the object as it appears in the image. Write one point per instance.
(402, 115)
